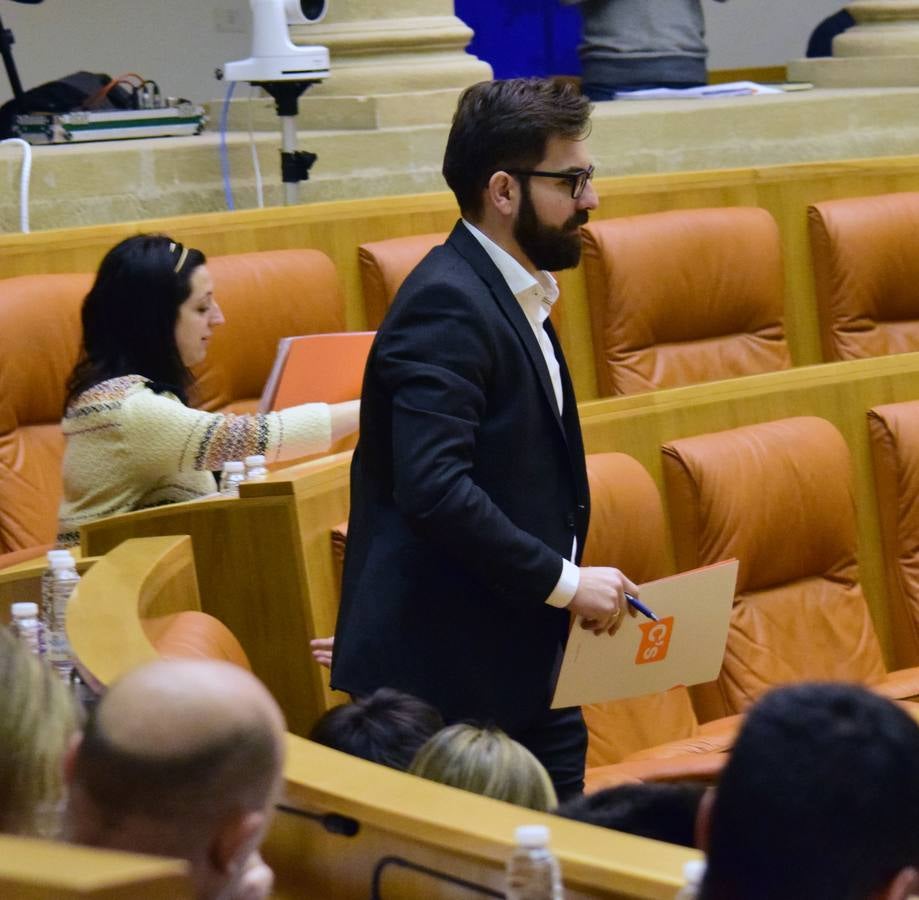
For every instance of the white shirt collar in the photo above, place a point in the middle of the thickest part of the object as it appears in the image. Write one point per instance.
(535, 294)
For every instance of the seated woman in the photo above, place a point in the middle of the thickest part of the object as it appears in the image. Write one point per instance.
(486, 761)
(38, 719)
(132, 442)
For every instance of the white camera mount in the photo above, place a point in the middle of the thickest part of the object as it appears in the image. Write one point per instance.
(285, 71)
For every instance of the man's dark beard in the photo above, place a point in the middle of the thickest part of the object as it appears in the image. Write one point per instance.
(546, 246)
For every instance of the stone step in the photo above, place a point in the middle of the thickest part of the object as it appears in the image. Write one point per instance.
(125, 180)
(337, 113)
(81, 184)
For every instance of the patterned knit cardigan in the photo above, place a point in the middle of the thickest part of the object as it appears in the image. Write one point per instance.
(128, 447)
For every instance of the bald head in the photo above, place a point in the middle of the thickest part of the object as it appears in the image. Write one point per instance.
(181, 708)
(179, 741)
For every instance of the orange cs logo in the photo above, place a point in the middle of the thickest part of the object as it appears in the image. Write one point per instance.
(655, 640)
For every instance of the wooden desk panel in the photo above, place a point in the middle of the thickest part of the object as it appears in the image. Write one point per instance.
(264, 569)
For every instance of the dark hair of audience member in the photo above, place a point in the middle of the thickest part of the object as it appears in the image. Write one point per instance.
(820, 798)
(506, 125)
(664, 812)
(386, 727)
(129, 315)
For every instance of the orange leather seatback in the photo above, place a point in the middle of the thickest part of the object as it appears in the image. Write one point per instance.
(894, 430)
(191, 634)
(627, 530)
(778, 496)
(384, 265)
(684, 296)
(866, 272)
(40, 334)
(265, 296)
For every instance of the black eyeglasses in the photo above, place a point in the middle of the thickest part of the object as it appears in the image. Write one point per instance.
(577, 179)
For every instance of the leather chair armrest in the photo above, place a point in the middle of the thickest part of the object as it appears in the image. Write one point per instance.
(717, 740)
(900, 685)
(688, 767)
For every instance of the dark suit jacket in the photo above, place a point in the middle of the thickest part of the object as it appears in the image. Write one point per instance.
(467, 489)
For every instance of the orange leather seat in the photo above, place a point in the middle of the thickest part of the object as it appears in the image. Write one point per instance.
(778, 496)
(192, 634)
(384, 265)
(40, 339)
(683, 297)
(656, 737)
(865, 274)
(894, 430)
(265, 296)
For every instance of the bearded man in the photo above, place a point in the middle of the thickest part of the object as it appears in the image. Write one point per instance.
(469, 496)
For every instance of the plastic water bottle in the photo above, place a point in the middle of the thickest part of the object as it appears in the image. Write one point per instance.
(532, 871)
(64, 580)
(45, 608)
(234, 474)
(27, 627)
(255, 467)
(693, 873)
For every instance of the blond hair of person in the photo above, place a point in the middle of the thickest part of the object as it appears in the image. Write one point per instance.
(38, 717)
(486, 761)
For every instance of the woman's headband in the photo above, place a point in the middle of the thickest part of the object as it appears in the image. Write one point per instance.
(183, 255)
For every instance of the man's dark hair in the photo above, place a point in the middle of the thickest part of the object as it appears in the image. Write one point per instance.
(386, 727)
(664, 812)
(129, 315)
(506, 125)
(820, 798)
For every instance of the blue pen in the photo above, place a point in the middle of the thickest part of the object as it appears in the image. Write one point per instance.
(637, 604)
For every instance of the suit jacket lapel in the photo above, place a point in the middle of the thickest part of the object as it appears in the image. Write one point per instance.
(472, 251)
(572, 426)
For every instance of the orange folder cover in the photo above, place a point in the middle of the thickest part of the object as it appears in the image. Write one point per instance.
(643, 657)
(311, 368)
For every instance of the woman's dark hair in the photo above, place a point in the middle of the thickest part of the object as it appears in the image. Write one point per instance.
(129, 315)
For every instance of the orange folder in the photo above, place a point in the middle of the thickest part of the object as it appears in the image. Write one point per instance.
(311, 368)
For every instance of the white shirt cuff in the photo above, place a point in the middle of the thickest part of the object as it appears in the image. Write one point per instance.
(566, 586)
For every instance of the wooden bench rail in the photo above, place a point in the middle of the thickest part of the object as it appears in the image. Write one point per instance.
(31, 869)
(441, 828)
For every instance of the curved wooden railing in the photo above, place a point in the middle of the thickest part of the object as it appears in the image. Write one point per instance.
(343, 819)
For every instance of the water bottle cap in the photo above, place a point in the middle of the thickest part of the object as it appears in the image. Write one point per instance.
(532, 836)
(65, 561)
(24, 610)
(52, 554)
(694, 872)
(255, 460)
(234, 466)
